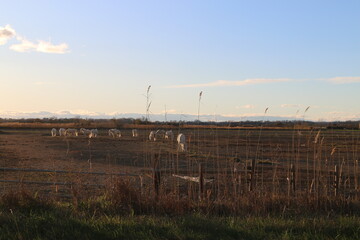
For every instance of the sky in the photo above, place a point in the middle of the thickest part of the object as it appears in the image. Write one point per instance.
(99, 57)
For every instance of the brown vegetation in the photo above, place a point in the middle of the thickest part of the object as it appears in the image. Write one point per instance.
(225, 171)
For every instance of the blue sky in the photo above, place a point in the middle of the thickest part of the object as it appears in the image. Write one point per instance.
(100, 56)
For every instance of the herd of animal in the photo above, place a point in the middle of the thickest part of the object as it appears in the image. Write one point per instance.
(116, 133)
(72, 132)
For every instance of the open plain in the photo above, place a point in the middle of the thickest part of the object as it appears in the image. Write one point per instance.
(233, 162)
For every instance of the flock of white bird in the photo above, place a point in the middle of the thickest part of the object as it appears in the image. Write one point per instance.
(116, 133)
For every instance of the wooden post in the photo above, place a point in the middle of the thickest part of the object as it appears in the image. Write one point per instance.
(356, 179)
(141, 185)
(292, 178)
(156, 175)
(235, 180)
(252, 175)
(201, 182)
(336, 180)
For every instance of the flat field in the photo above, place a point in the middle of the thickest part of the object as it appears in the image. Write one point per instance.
(229, 184)
(233, 161)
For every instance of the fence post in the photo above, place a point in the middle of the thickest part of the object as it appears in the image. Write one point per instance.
(252, 175)
(156, 175)
(201, 182)
(336, 180)
(292, 178)
(141, 185)
(235, 180)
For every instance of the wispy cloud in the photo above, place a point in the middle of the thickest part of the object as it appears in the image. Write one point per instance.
(169, 111)
(290, 105)
(6, 33)
(248, 106)
(222, 83)
(343, 80)
(41, 46)
(341, 116)
(48, 47)
(24, 45)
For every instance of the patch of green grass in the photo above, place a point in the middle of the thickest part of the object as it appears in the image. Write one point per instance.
(27, 216)
(65, 222)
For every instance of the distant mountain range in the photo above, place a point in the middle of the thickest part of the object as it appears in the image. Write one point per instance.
(153, 117)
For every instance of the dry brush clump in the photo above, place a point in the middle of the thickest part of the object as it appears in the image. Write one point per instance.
(123, 198)
(23, 199)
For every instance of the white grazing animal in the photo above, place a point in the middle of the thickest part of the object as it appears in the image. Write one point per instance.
(114, 133)
(62, 132)
(94, 133)
(111, 134)
(135, 133)
(181, 142)
(160, 134)
(71, 132)
(152, 136)
(169, 135)
(53, 132)
(85, 132)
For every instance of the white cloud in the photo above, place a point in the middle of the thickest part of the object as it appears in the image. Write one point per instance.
(48, 47)
(248, 106)
(6, 33)
(221, 83)
(341, 116)
(42, 46)
(25, 45)
(343, 80)
(290, 105)
(168, 111)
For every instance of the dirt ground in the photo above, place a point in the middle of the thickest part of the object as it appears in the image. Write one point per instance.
(221, 153)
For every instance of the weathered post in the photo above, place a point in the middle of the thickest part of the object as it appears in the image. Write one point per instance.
(156, 175)
(252, 175)
(292, 178)
(336, 180)
(141, 185)
(201, 182)
(235, 180)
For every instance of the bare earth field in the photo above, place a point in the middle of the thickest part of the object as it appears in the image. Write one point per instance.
(227, 157)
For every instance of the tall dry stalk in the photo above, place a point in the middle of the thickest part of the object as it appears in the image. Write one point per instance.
(253, 180)
(148, 103)
(147, 119)
(200, 95)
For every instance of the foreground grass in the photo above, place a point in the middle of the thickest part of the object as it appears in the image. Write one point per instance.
(63, 222)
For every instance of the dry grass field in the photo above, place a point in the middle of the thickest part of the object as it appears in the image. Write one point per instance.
(231, 183)
(253, 169)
